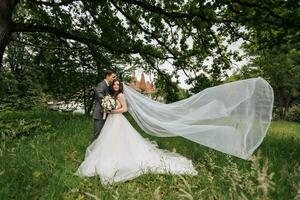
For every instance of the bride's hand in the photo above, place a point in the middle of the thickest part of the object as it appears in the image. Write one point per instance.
(112, 111)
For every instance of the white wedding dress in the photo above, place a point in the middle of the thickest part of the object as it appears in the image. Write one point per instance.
(120, 153)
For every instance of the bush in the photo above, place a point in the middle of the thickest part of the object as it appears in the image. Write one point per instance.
(21, 90)
(16, 127)
(294, 113)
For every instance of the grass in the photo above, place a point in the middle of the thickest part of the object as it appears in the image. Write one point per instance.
(41, 166)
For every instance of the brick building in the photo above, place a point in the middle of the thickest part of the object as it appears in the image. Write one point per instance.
(142, 85)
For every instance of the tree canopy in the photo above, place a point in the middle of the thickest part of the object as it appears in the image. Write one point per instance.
(185, 33)
(86, 36)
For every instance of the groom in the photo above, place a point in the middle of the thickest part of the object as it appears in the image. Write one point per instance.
(101, 91)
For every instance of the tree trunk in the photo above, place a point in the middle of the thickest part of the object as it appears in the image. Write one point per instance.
(6, 10)
(92, 99)
(286, 106)
(84, 93)
(4, 41)
(4, 37)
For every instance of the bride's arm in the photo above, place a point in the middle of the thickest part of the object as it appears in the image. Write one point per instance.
(123, 108)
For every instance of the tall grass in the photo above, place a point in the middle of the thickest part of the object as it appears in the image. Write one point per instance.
(42, 166)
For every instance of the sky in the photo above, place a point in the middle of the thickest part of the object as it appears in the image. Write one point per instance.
(182, 77)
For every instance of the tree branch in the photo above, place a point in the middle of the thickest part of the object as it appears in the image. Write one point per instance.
(175, 56)
(220, 50)
(47, 46)
(268, 9)
(52, 4)
(155, 9)
(18, 27)
(130, 18)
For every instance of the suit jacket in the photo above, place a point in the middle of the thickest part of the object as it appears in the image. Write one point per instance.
(100, 92)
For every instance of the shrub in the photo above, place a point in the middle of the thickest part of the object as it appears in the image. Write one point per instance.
(14, 128)
(294, 113)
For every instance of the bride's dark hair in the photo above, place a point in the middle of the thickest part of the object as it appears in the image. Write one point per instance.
(115, 93)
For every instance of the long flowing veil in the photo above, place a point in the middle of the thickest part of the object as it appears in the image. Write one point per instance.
(232, 118)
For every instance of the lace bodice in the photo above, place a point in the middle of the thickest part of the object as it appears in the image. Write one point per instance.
(118, 104)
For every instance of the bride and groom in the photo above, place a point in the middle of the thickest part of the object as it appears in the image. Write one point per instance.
(118, 152)
(232, 118)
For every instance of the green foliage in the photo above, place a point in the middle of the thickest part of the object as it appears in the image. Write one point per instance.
(280, 66)
(63, 48)
(20, 81)
(186, 33)
(294, 113)
(183, 94)
(200, 83)
(15, 127)
(21, 127)
(167, 88)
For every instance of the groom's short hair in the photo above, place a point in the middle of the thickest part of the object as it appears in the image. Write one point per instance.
(108, 72)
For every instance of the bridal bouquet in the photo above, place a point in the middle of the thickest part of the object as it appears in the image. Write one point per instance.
(108, 104)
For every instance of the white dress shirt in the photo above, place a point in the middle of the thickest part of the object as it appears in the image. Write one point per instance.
(106, 82)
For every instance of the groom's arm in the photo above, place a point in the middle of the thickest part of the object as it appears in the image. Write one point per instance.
(100, 91)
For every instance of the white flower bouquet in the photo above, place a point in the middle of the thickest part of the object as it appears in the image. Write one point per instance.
(108, 104)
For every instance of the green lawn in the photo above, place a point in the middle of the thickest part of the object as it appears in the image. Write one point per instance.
(41, 165)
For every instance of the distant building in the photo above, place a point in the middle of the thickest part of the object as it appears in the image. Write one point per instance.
(142, 86)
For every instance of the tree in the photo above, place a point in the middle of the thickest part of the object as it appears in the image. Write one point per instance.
(281, 67)
(200, 83)
(91, 35)
(167, 88)
(167, 24)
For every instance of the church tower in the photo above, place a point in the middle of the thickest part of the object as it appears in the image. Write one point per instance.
(143, 82)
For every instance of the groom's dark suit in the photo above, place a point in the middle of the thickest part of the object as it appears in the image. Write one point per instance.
(101, 90)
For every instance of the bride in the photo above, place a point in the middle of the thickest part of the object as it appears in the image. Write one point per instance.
(120, 153)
